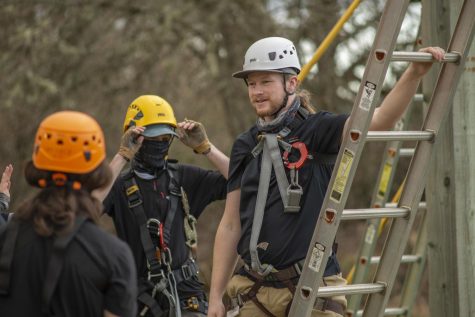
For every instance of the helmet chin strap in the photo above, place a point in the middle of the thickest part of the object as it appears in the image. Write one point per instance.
(284, 102)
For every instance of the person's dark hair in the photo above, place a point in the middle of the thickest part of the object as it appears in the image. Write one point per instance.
(54, 208)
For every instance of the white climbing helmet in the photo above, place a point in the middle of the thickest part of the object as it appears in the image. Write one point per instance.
(273, 54)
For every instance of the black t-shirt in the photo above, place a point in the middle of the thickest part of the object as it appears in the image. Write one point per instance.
(98, 274)
(285, 237)
(201, 186)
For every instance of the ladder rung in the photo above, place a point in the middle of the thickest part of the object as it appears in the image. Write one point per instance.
(329, 291)
(406, 152)
(369, 213)
(423, 57)
(388, 312)
(405, 259)
(400, 136)
(422, 205)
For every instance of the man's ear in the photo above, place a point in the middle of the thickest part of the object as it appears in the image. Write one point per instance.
(292, 83)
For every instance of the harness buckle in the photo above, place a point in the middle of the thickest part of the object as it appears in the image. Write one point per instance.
(134, 202)
(187, 272)
(294, 193)
(153, 276)
(133, 195)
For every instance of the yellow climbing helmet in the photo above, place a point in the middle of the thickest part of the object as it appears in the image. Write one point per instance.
(152, 112)
(69, 142)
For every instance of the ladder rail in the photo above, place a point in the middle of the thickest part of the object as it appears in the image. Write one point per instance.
(447, 81)
(348, 158)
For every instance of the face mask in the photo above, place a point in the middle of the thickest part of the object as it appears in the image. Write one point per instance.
(151, 156)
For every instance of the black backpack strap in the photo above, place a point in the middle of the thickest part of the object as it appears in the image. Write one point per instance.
(56, 262)
(6, 256)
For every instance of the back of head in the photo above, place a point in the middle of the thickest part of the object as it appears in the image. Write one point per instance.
(152, 112)
(68, 162)
(270, 54)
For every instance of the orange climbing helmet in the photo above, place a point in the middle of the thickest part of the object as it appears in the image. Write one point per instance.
(69, 142)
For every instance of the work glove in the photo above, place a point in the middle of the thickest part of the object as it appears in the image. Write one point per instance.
(129, 144)
(193, 135)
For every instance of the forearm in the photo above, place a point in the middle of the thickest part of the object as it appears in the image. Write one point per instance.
(225, 247)
(116, 165)
(219, 160)
(396, 102)
(224, 261)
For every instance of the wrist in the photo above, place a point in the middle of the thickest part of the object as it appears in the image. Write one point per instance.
(125, 154)
(203, 148)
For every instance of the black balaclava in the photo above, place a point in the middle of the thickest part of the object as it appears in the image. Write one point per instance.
(150, 158)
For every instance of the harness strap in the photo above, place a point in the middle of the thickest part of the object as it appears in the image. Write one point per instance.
(186, 271)
(252, 295)
(148, 301)
(135, 200)
(6, 257)
(276, 157)
(56, 262)
(175, 196)
(264, 179)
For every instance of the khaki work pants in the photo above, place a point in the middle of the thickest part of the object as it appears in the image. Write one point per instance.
(277, 299)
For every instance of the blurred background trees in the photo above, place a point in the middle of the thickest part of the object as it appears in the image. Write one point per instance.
(96, 56)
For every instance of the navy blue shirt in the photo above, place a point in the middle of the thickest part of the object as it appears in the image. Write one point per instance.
(285, 237)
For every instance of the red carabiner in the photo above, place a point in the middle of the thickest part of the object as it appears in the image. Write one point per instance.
(163, 245)
(303, 156)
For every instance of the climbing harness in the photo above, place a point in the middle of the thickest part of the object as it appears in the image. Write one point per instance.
(155, 237)
(270, 145)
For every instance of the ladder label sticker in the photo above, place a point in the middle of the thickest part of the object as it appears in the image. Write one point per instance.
(317, 256)
(370, 233)
(342, 175)
(384, 182)
(367, 96)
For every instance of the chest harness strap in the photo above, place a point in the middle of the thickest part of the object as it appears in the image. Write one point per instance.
(155, 238)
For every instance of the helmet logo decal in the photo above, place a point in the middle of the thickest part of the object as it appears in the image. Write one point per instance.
(272, 55)
(134, 106)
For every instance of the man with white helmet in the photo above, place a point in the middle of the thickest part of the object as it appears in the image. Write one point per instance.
(278, 175)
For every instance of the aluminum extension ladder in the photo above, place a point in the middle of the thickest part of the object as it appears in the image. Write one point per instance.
(352, 145)
(392, 153)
